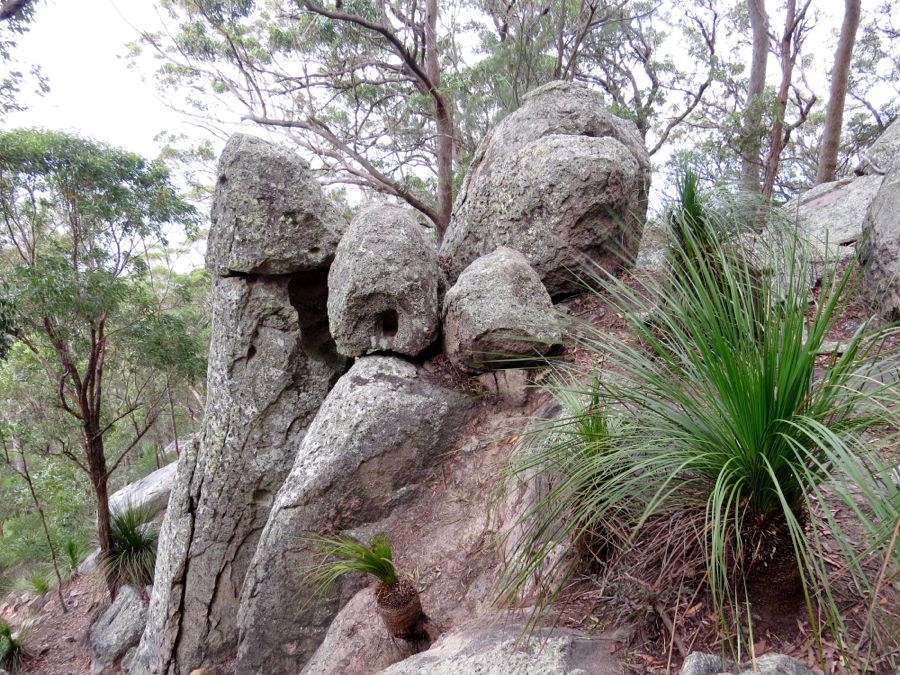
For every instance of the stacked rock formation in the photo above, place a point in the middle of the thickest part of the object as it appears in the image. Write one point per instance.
(292, 443)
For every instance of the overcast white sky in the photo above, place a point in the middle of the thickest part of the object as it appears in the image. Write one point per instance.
(80, 47)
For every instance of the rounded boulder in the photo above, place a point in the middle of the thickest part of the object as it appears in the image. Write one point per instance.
(498, 313)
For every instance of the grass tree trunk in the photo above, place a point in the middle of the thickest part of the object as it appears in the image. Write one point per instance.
(840, 75)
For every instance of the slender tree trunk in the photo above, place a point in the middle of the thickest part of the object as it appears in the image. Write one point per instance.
(172, 413)
(776, 142)
(26, 475)
(750, 145)
(840, 75)
(444, 123)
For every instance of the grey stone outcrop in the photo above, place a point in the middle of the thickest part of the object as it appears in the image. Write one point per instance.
(269, 214)
(830, 217)
(883, 157)
(357, 641)
(497, 313)
(490, 647)
(560, 180)
(150, 494)
(880, 250)
(271, 363)
(378, 433)
(699, 663)
(383, 285)
(118, 630)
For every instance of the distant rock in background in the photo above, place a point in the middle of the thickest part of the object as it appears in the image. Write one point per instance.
(560, 180)
(149, 495)
(383, 285)
(498, 310)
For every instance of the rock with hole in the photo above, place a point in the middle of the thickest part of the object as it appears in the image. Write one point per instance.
(560, 180)
(383, 285)
(498, 314)
(375, 437)
(269, 214)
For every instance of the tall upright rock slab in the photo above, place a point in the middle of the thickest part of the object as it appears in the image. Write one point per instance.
(271, 364)
(880, 250)
(378, 433)
(560, 180)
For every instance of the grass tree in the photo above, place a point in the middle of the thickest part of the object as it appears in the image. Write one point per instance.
(76, 218)
(730, 420)
(396, 596)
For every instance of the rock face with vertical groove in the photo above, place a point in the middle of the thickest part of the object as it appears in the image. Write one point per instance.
(377, 434)
(880, 250)
(560, 180)
(271, 363)
(383, 285)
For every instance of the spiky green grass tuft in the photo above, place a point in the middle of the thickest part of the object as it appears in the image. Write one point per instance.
(132, 558)
(341, 555)
(12, 651)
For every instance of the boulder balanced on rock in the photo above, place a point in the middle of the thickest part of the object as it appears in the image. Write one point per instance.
(383, 285)
(560, 180)
(498, 310)
(270, 215)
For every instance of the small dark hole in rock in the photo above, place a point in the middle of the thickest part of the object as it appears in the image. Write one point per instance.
(251, 352)
(314, 249)
(387, 323)
(223, 180)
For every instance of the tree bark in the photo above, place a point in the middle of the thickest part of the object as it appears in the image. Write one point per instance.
(443, 120)
(750, 165)
(840, 76)
(99, 476)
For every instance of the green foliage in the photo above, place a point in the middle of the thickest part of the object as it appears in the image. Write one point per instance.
(727, 415)
(73, 552)
(133, 555)
(12, 651)
(37, 580)
(341, 555)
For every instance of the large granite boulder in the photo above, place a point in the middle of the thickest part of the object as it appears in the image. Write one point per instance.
(880, 251)
(383, 285)
(830, 217)
(270, 216)
(496, 648)
(378, 433)
(118, 630)
(560, 180)
(149, 495)
(699, 663)
(357, 641)
(270, 366)
(884, 155)
(498, 313)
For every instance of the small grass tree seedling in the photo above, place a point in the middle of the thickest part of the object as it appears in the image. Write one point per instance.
(12, 651)
(396, 596)
(132, 557)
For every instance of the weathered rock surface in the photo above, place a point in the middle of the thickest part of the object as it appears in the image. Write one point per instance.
(271, 364)
(768, 664)
(830, 217)
(498, 310)
(377, 434)
(496, 649)
(117, 631)
(560, 180)
(383, 285)
(357, 642)
(880, 250)
(884, 155)
(269, 214)
(150, 494)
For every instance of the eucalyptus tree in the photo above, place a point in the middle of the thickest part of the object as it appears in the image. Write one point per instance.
(76, 218)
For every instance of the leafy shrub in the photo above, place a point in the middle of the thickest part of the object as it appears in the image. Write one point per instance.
(729, 416)
(132, 557)
(12, 651)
